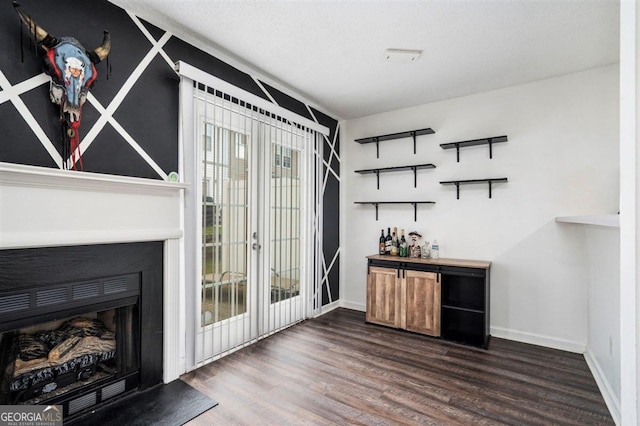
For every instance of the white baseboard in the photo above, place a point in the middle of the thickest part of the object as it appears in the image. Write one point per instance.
(355, 306)
(539, 339)
(610, 398)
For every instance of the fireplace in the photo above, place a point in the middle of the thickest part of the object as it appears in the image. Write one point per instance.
(80, 325)
(66, 228)
(61, 362)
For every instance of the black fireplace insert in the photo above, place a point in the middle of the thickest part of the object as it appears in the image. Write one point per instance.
(80, 342)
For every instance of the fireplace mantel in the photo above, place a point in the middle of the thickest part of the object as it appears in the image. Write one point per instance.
(43, 207)
(43, 177)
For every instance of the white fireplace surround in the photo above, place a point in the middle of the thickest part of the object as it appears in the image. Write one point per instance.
(41, 207)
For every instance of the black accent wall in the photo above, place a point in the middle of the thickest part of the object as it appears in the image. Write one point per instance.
(140, 98)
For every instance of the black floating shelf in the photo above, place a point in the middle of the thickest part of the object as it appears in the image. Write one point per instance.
(457, 183)
(379, 170)
(399, 135)
(413, 203)
(474, 142)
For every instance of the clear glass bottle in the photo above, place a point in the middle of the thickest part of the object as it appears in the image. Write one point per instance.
(435, 250)
(425, 250)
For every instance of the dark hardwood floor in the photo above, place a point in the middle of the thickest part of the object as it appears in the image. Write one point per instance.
(336, 369)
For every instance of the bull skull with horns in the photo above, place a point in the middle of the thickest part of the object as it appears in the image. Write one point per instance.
(73, 72)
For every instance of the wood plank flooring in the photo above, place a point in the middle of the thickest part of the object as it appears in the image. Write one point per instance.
(335, 369)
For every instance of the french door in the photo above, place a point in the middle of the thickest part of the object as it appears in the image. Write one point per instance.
(280, 201)
(254, 233)
(228, 280)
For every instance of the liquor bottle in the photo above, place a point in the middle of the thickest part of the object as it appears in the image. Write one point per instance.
(381, 244)
(387, 242)
(394, 242)
(403, 246)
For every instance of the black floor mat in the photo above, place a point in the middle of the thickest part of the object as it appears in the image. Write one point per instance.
(172, 404)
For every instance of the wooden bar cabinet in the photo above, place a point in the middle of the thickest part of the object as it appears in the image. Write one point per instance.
(444, 298)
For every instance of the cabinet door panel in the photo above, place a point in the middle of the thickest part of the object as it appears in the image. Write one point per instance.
(383, 291)
(422, 296)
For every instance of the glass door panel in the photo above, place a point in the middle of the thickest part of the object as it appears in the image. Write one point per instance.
(285, 229)
(224, 225)
(228, 282)
(284, 198)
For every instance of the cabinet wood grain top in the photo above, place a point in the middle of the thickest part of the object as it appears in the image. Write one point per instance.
(443, 261)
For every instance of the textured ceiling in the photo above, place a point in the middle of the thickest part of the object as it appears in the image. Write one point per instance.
(331, 51)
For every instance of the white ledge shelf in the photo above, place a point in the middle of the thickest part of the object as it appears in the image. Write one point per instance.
(43, 177)
(609, 220)
(43, 207)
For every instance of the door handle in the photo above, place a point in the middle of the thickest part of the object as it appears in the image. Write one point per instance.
(255, 245)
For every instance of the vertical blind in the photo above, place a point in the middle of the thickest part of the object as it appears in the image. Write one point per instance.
(252, 219)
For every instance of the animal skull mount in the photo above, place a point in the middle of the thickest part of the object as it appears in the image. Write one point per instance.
(73, 72)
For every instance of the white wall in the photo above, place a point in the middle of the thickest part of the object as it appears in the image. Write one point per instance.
(603, 276)
(561, 159)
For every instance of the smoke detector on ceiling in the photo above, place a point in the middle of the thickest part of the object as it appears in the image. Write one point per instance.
(401, 55)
